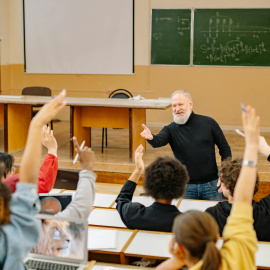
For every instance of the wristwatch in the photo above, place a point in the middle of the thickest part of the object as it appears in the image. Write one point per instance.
(249, 163)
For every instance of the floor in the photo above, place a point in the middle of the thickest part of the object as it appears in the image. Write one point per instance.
(115, 157)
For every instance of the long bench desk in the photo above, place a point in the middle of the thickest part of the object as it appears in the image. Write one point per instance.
(130, 244)
(15, 114)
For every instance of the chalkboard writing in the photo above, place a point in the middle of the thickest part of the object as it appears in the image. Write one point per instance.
(232, 37)
(170, 37)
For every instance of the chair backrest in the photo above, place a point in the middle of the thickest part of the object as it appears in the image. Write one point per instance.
(36, 91)
(120, 93)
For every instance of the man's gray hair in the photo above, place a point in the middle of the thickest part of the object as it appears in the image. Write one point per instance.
(184, 92)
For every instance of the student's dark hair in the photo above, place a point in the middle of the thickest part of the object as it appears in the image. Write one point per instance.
(198, 232)
(229, 173)
(6, 163)
(165, 178)
(5, 197)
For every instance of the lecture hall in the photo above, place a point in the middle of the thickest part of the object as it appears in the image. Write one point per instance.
(134, 134)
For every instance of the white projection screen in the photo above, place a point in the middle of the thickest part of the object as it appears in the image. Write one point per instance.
(79, 36)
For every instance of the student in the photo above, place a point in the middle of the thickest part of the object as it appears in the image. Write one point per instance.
(83, 201)
(19, 229)
(48, 169)
(196, 233)
(164, 180)
(229, 173)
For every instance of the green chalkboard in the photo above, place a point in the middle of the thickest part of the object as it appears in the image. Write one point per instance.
(231, 37)
(170, 36)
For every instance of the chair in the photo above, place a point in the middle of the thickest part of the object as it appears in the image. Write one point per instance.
(37, 91)
(118, 93)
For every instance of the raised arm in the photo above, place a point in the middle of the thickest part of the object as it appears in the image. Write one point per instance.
(49, 141)
(49, 168)
(31, 157)
(244, 188)
(84, 197)
(124, 204)
(139, 165)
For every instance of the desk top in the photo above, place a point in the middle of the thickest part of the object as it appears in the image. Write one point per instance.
(93, 102)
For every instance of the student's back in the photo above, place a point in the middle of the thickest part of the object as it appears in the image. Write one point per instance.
(164, 179)
(261, 216)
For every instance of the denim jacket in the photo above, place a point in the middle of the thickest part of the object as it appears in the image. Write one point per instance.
(22, 232)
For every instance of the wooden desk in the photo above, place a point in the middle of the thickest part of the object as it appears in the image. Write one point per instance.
(115, 255)
(15, 115)
(84, 114)
(149, 244)
(111, 113)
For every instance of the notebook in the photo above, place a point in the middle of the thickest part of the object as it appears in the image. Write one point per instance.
(62, 245)
(54, 203)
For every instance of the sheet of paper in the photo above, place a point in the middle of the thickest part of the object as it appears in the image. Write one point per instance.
(105, 217)
(101, 239)
(186, 205)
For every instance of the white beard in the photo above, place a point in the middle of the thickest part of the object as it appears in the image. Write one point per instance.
(182, 120)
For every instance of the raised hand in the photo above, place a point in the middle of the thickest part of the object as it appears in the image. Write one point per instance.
(251, 124)
(49, 110)
(138, 158)
(244, 188)
(86, 156)
(146, 133)
(48, 140)
(30, 164)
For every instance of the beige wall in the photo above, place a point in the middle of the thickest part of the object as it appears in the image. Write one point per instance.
(216, 91)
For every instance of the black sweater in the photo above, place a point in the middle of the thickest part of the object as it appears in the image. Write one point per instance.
(194, 145)
(156, 217)
(261, 216)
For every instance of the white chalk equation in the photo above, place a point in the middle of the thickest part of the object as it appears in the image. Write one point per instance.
(181, 25)
(225, 40)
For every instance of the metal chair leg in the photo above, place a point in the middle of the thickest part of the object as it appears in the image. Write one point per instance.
(106, 137)
(102, 140)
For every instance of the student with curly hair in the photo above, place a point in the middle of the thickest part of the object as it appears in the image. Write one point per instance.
(196, 233)
(165, 179)
(229, 174)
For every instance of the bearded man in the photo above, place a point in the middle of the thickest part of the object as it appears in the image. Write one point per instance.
(192, 138)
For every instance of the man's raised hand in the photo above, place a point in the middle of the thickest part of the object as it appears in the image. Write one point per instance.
(146, 133)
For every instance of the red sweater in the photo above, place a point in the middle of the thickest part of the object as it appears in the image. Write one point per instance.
(46, 179)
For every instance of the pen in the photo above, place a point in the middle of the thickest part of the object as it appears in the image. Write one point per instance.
(243, 108)
(76, 157)
(240, 133)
